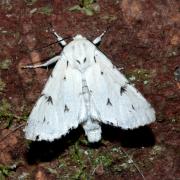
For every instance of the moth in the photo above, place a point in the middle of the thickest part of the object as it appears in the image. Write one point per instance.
(85, 89)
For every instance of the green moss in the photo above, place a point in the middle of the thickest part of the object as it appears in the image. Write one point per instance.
(85, 3)
(5, 113)
(88, 7)
(125, 165)
(2, 86)
(62, 163)
(164, 85)
(141, 75)
(105, 160)
(6, 4)
(77, 155)
(5, 171)
(79, 174)
(157, 150)
(109, 18)
(5, 64)
(30, 2)
(84, 160)
(45, 10)
(52, 171)
(4, 107)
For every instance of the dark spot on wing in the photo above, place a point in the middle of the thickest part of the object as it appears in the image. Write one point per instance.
(67, 63)
(110, 123)
(49, 99)
(123, 89)
(42, 95)
(133, 107)
(109, 102)
(78, 61)
(137, 91)
(102, 73)
(128, 83)
(37, 137)
(64, 78)
(35, 104)
(94, 59)
(66, 109)
(84, 60)
(44, 119)
(151, 107)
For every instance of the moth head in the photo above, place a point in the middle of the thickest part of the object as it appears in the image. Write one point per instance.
(78, 36)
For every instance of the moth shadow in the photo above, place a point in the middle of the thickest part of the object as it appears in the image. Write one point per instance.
(44, 151)
(136, 138)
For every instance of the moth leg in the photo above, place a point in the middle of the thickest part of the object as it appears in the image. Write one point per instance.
(47, 63)
(99, 38)
(60, 39)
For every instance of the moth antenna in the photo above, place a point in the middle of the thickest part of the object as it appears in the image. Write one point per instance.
(37, 49)
(59, 38)
(98, 39)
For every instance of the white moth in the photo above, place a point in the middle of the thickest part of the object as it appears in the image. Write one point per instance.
(85, 88)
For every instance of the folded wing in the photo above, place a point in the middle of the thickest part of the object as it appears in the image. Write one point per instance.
(60, 106)
(113, 100)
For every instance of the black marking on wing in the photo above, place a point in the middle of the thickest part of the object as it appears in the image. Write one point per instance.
(133, 107)
(35, 104)
(44, 119)
(67, 63)
(123, 89)
(109, 102)
(42, 95)
(64, 78)
(138, 91)
(84, 60)
(78, 61)
(66, 109)
(37, 137)
(102, 73)
(49, 99)
(94, 59)
(129, 83)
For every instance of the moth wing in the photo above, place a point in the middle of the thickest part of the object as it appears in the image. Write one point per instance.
(60, 107)
(113, 100)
